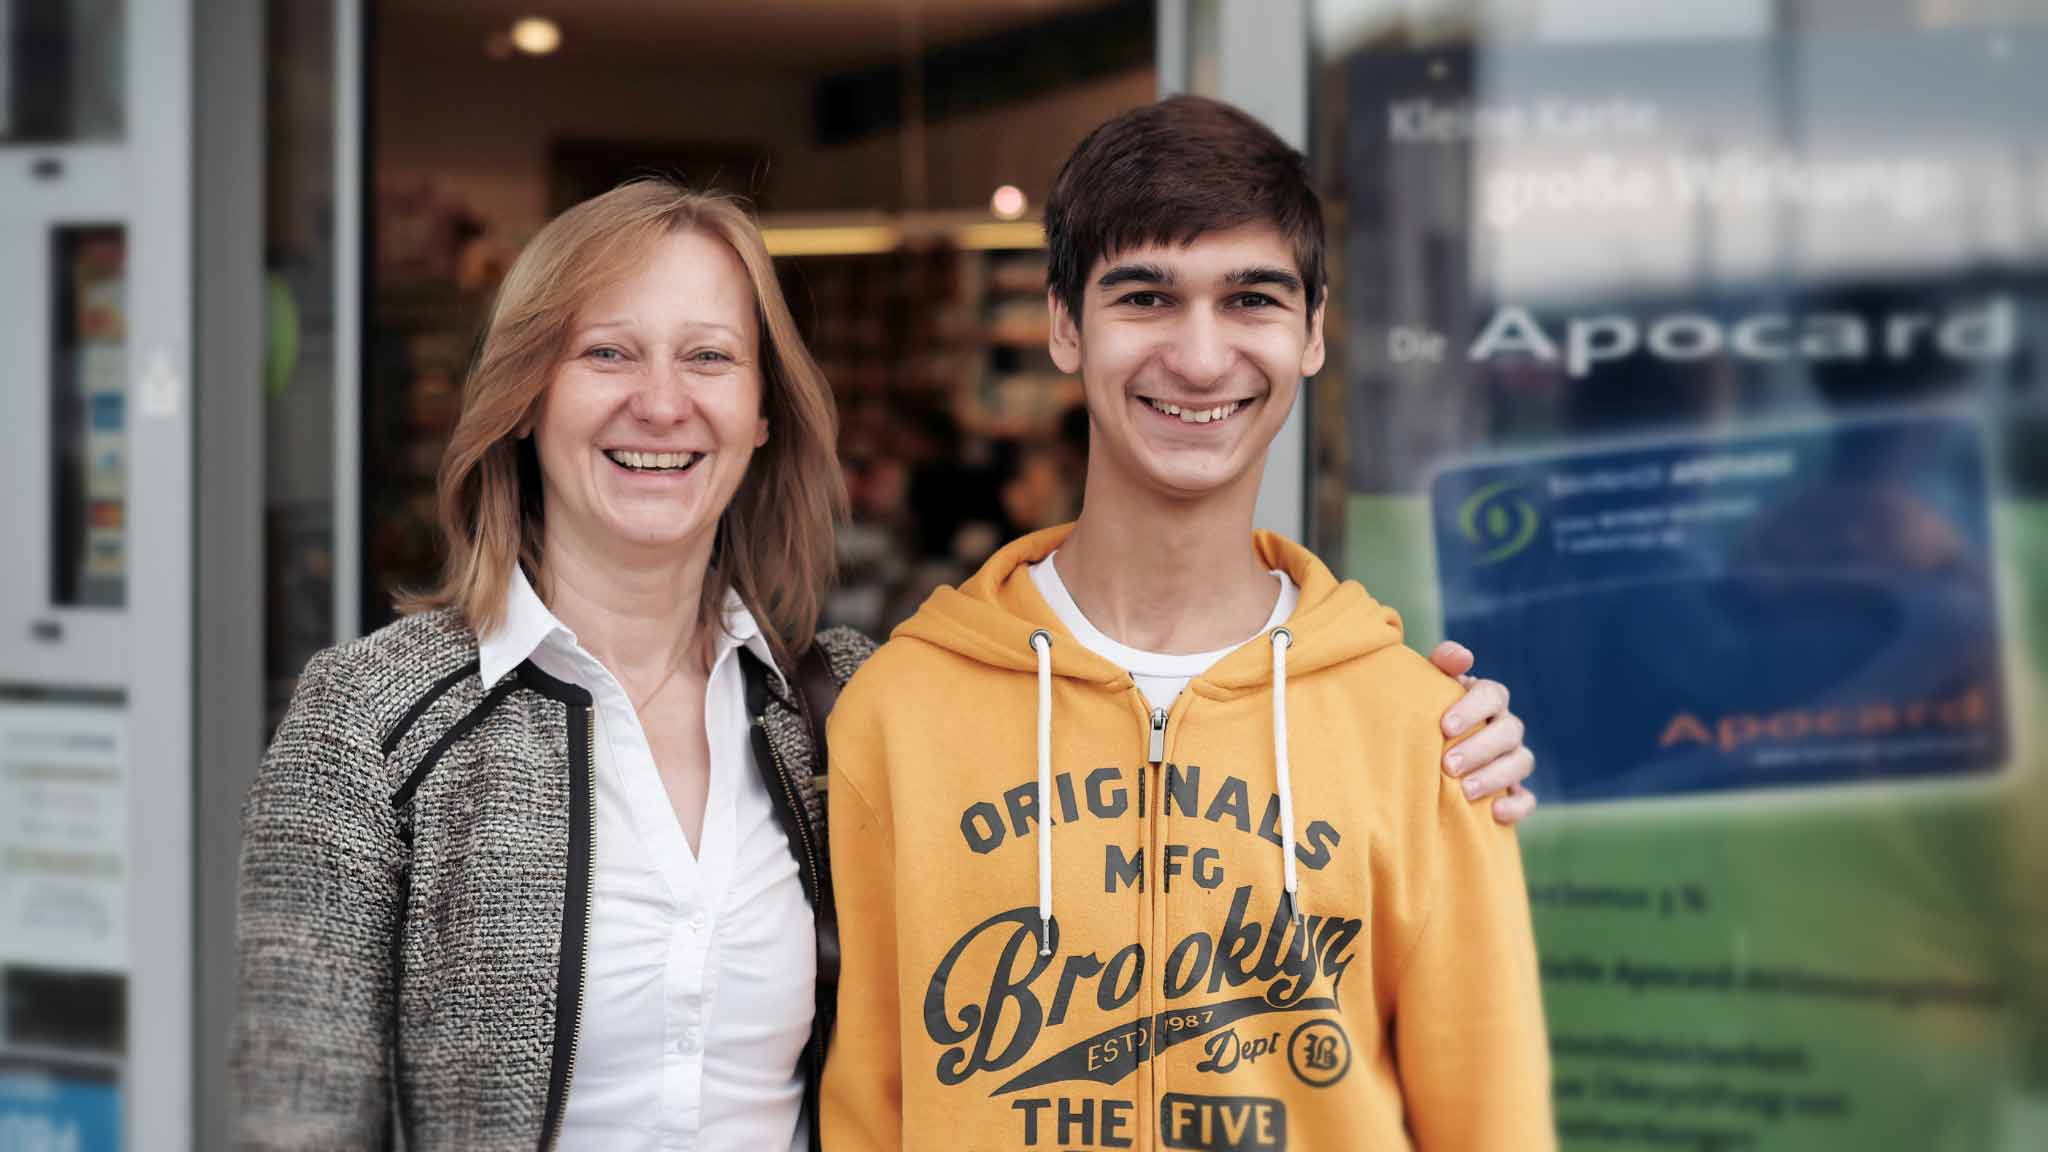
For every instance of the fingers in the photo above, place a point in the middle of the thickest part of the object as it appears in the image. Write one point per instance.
(1452, 658)
(1485, 747)
(1514, 807)
(1500, 774)
(1483, 701)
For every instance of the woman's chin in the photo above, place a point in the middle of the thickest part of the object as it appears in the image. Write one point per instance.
(642, 534)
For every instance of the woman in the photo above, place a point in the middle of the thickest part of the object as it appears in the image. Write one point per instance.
(539, 863)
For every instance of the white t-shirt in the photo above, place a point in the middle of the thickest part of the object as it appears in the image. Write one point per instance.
(697, 1000)
(1159, 675)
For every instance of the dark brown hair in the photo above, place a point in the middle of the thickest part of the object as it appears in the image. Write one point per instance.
(1168, 172)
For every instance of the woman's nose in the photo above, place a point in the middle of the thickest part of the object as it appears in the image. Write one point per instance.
(663, 395)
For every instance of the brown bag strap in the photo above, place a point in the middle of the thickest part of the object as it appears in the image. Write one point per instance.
(820, 690)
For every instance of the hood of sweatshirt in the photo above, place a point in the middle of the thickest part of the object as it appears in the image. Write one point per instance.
(998, 618)
(990, 619)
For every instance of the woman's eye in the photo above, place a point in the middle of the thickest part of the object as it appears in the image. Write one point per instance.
(709, 356)
(605, 354)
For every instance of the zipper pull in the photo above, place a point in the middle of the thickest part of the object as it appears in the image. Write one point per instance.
(1156, 750)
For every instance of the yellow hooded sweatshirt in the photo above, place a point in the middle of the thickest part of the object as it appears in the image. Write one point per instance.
(1132, 973)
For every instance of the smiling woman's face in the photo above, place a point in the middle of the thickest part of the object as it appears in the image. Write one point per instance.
(654, 410)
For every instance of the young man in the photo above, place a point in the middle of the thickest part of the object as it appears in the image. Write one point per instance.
(1163, 858)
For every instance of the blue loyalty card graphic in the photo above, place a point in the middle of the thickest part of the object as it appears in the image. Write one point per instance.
(45, 1108)
(1787, 608)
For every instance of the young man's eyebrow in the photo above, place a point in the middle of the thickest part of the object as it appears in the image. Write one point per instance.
(1276, 277)
(1135, 274)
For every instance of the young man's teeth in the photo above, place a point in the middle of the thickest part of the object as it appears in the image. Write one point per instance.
(1196, 415)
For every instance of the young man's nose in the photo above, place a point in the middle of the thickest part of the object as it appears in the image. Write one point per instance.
(1198, 350)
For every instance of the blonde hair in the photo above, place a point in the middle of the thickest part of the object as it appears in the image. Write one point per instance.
(774, 542)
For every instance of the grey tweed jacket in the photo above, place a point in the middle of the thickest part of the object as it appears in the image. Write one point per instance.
(415, 894)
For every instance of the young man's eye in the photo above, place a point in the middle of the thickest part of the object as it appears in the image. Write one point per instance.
(1144, 299)
(1256, 300)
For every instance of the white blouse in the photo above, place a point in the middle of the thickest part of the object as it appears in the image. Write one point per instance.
(697, 999)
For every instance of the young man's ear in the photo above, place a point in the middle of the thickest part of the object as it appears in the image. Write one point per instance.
(1312, 354)
(1065, 341)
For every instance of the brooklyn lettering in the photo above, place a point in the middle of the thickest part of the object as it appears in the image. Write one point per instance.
(1026, 993)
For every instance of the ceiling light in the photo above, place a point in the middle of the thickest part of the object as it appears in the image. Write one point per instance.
(832, 240)
(1008, 203)
(985, 237)
(536, 35)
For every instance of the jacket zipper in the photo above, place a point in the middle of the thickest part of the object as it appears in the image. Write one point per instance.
(1155, 753)
(589, 899)
(802, 826)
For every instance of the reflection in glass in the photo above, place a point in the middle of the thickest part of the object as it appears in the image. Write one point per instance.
(1686, 364)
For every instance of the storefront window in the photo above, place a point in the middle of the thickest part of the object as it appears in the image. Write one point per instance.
(1688, 369)
(898, 157)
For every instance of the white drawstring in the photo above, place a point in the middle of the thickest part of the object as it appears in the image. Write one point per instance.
(1041, 642)
(1282, 639)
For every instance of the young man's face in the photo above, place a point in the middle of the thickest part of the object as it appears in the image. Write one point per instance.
(1190, 357)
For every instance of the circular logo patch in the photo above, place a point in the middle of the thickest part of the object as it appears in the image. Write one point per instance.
(1498, 521)
(1319, 1053)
